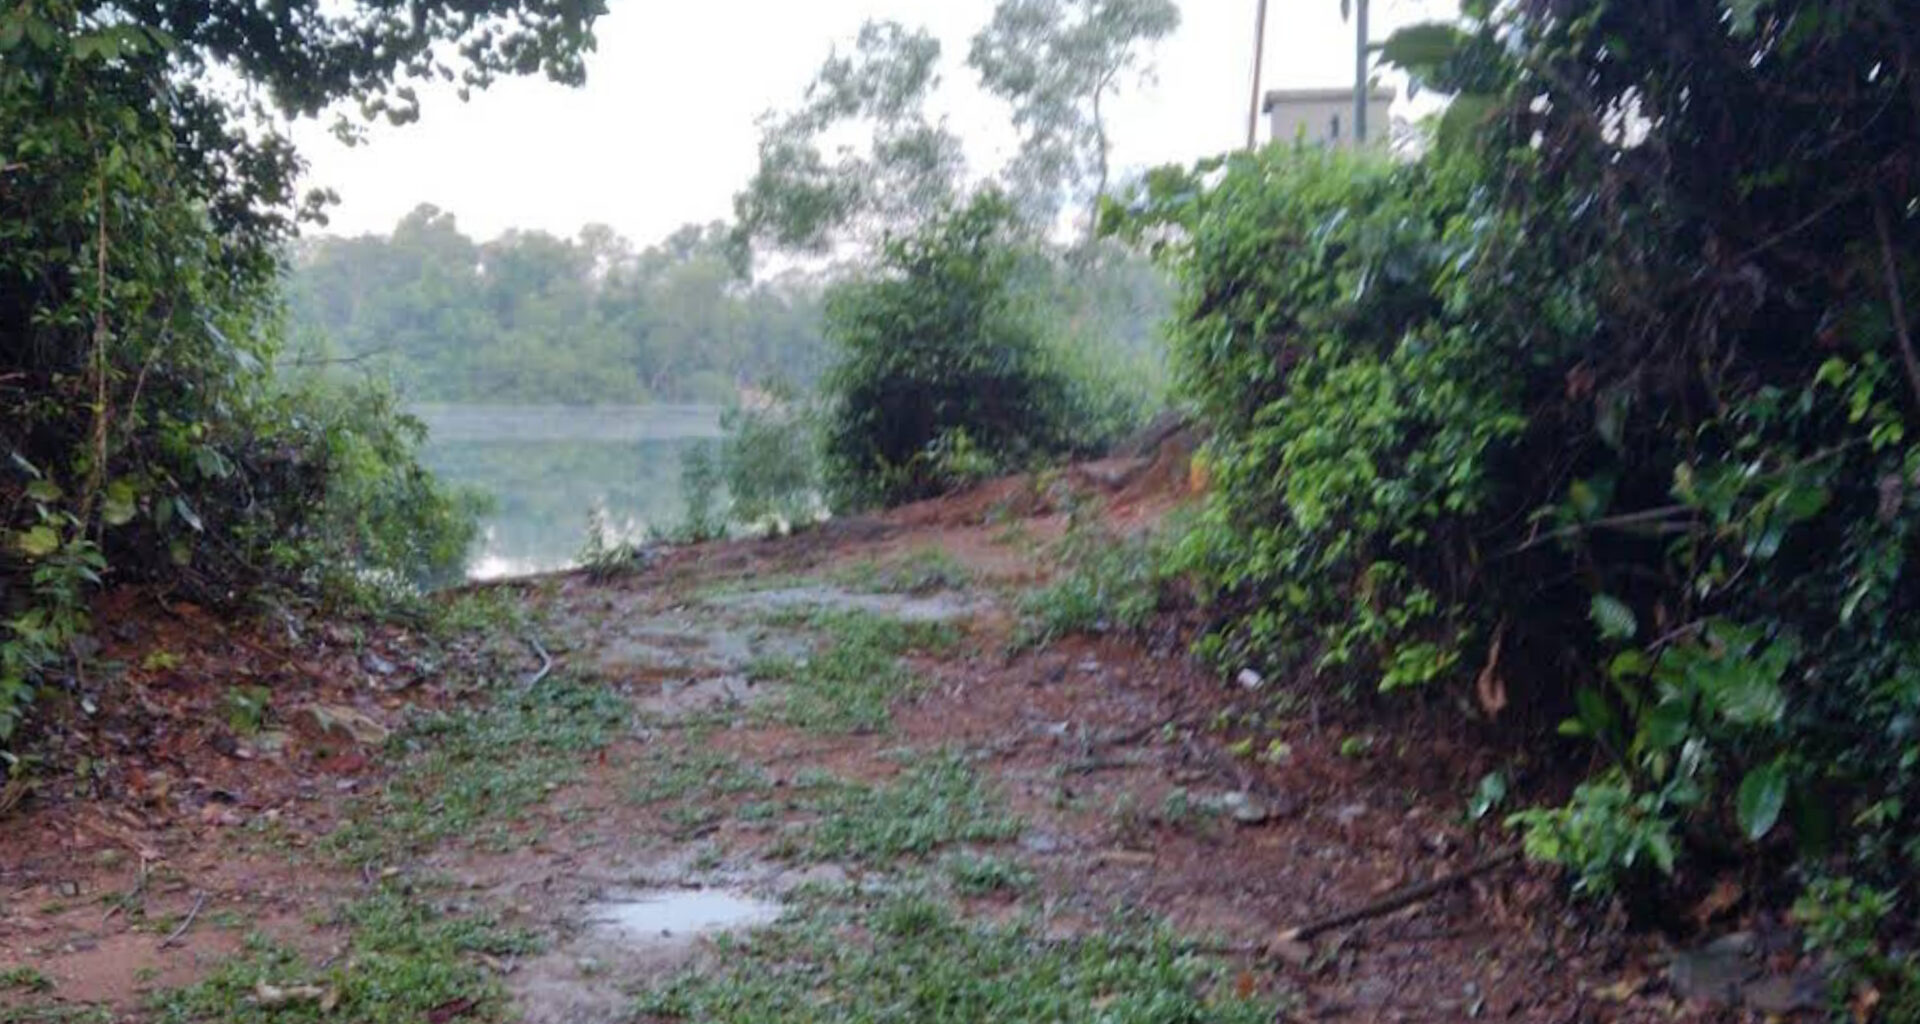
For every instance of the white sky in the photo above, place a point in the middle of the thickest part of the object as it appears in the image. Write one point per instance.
(663, 132)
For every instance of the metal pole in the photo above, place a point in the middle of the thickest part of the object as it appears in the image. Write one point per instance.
(1259, 57)
(1360, 85)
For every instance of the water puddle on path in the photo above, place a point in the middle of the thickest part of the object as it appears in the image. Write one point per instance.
(670, 914)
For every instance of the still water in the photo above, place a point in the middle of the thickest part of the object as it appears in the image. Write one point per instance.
(548, 467)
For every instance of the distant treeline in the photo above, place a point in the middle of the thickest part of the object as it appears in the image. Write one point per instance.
(530, 317)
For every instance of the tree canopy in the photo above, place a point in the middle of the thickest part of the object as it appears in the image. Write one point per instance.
(530, 317)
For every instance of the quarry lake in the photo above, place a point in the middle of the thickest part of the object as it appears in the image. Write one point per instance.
(546, 468)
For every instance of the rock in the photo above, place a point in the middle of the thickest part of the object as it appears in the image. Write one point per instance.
(1242, 807)
(340, 720)
(1715, 972)
(1249, 679)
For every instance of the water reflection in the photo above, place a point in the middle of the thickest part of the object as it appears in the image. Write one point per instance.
(547, 467)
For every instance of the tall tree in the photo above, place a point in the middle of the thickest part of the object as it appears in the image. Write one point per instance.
(803, 199)
(1058, 62)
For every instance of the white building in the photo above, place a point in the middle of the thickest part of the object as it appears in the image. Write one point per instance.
(1324, 117)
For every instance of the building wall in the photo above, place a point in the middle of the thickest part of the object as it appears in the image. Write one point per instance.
(1327, 119)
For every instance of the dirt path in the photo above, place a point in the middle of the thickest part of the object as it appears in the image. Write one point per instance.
(793, 780)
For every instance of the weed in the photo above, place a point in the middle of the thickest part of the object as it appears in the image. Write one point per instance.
(914, 960)
(25, 979)
(479, 766)
(979, 874)
(706, 774)
(933, 802)
(408, 959)
(1113, 585)
(922, 571)
(851, 685)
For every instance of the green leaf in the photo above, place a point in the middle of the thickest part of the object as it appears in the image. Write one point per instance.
(119, 505)
(1762, 795)
(1422, 48)
(1613, 618)
(46, 492)
(1491, 792)
(39, 542)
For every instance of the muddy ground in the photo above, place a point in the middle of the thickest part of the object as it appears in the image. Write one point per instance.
(816, 779)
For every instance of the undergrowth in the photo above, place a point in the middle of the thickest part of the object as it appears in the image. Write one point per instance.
(936, 800)
(905, 958)
(851, 683)
(407, 961)
(471, 772)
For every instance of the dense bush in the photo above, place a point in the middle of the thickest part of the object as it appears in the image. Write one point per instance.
(143, 214)
(946, 371)
(1601, 409)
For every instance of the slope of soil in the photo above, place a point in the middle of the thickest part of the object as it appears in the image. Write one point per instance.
(804, 779)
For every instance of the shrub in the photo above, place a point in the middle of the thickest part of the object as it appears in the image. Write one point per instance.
(945, 371)
(1598, 406)
(771, 468)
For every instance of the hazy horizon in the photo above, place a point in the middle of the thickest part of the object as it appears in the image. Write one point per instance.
(663, 134)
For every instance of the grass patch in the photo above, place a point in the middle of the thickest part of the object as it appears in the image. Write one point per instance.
(935, 801)
(407, 959)
(472, 771)
(680, 774)
(1112, 585)
(24, 979)
(921, 571)
(982, 874)
(907, 959)
(851, 683)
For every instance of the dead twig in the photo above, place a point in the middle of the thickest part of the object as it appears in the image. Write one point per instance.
(546, 663)
(1896, 304)
(186, 924)
(1399, 898)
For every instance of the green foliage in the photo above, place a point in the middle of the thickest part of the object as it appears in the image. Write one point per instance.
(1112, 584)
(935, 801)
(470, 772)
(144, 206)
(944, 371)
(1056, 62)
(906, 958)
(532, 318)
(851, 685)
(771, 467)
(979, 874)
(1597, 401)
(907, 165)
(408, 959)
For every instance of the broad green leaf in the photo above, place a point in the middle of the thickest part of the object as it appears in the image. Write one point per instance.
(45, 492)
(38, 542)
(120, 504)
(1612, 617)
(1762, 794)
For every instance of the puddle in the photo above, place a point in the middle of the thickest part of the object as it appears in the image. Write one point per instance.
(680, 913)
(908, 607)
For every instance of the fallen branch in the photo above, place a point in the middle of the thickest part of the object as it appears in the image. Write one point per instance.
(1399, 898)
(546, 663)
(184, 925)
(1896, 306)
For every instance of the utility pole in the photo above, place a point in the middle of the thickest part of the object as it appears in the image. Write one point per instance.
(1259, 58)
(1360, 85)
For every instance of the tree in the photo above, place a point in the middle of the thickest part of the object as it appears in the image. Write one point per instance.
(1057, 62)
(801, 199)
(147, 195)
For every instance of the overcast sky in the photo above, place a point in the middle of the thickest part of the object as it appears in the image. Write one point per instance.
(663, 132)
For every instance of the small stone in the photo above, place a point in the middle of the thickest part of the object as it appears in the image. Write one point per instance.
(1249, 679)
(1291, 952)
